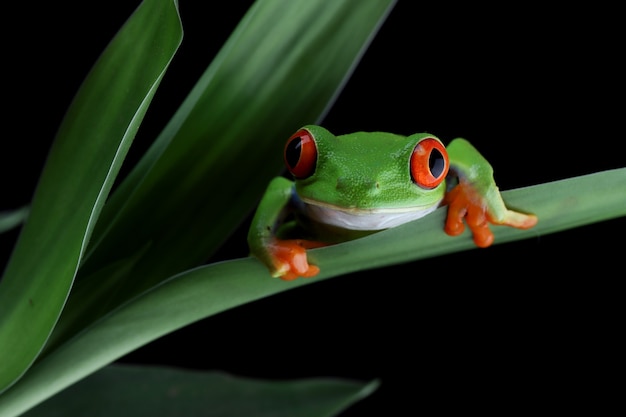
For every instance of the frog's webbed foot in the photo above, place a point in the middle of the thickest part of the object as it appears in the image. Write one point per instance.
(464, 202)
(289, 258)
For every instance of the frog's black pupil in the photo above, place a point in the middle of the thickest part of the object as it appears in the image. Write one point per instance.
(436, 163)
(293, 151)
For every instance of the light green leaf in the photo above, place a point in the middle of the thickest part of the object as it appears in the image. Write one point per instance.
(87, 153)
(208, 290)
(11, 219)
(128, 391)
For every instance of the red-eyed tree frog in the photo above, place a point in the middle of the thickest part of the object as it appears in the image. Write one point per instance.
(352, 185)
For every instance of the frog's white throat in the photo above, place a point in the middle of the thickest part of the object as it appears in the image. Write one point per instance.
(363, 219)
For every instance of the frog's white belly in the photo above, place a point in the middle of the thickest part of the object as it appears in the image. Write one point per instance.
(363, 219)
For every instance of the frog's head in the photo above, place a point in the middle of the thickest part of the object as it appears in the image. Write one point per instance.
(367, 173)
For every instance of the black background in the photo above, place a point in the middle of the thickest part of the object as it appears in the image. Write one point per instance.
(520, 326)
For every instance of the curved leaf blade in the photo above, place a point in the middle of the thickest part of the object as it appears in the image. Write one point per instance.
(85, 157)
(208, 290)
(129, 391)
(169, 200)
(270, 73)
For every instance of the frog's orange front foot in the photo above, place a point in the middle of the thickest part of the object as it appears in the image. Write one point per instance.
(464, 202)
(289, 258)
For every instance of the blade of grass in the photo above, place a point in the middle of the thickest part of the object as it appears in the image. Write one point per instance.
(208, 290)
(85, 157)
(129, 391)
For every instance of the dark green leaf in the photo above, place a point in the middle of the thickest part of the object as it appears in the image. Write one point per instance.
(208, 168)
(281, 68)
(211, 289)
(127, 391)
(87, 153)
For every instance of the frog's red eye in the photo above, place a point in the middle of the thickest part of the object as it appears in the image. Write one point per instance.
(429, 163)
(301, 154)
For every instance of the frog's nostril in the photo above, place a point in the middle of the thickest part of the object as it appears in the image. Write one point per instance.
(342, 183)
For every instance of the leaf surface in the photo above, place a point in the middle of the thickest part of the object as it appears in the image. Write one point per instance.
(85, 157)
(208, 290)
(130, 391)
(281, 68)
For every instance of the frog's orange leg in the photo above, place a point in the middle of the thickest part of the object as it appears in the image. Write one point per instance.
(289, 258)
(464, 202)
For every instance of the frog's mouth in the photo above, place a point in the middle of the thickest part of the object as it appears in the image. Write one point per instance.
(363, 219)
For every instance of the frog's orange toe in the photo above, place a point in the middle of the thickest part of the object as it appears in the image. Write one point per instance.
(454, 226)
(483, 237)
(520, 220)
(477, 222)
(290, 258)
(457, 209)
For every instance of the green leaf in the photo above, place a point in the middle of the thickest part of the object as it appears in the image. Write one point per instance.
(151, 391)
(281, 68)
(208, 290)
(89, 298)
(210, 165)
(85, 157)
(11, 219)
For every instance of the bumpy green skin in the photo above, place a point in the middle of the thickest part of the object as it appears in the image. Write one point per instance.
(365, 170)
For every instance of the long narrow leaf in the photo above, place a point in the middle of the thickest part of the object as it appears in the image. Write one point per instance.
(280, 69)
(87, 153)
(129, 391)
(208, 290)
(208, 168)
